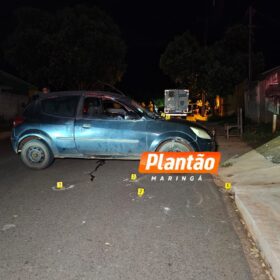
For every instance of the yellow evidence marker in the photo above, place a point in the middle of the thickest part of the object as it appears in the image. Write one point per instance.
(167, 117)
(140, 192)
(59, 185)
(133, 177)
(227, 186)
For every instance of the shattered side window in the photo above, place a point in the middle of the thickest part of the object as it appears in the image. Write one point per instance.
(64, 106)
(113, 108)
(92, 107)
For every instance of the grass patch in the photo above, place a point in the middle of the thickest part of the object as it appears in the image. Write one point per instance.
(271, 150)
(261, 138)
(227, 164)
(258, 134)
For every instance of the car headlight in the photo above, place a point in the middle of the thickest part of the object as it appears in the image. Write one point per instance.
(201, 133)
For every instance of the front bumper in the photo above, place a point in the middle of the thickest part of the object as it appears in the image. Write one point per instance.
(206, 145)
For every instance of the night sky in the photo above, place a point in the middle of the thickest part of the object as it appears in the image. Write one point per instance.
(148, 26)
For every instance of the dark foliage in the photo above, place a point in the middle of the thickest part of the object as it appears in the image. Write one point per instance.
(71, 49)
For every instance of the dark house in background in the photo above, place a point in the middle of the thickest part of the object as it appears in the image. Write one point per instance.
(14, 92)
(262, 98)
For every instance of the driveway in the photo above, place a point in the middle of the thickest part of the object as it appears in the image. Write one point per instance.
(101, 229)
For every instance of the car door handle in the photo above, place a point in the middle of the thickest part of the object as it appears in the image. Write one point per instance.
(86, 125)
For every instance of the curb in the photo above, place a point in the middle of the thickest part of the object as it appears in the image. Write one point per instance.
(264, 245)
(5, 135)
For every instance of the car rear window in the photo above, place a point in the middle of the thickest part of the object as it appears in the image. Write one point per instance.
(64, 106)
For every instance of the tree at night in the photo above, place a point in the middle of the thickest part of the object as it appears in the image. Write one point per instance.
(180, 60)
(214, 69)
(70, 49)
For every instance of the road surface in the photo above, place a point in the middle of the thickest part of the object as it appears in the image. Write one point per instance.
(100, 229)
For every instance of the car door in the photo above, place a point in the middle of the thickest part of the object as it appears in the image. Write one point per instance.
(109, 130)
(57, 121)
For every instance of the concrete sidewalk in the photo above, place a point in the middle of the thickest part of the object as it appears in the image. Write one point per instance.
(256, 186)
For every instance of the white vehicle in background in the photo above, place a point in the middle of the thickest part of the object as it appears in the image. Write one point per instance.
(176, 102)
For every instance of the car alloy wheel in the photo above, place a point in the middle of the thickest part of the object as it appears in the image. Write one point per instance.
(174, 146)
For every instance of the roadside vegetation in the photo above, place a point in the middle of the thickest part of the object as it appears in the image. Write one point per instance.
(258, 134)
(261, 138)
(210, 70)
(73, 48)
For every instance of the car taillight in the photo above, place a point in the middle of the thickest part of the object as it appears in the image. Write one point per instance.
(17, 121)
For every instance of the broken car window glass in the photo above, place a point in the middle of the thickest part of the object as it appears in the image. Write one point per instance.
(60, 106)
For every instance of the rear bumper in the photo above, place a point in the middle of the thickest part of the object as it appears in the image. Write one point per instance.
(14, 143)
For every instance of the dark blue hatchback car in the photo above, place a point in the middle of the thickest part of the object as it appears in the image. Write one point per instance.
(98, 125)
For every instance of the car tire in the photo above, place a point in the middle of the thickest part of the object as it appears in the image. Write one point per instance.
(175, 145)
(36, 154)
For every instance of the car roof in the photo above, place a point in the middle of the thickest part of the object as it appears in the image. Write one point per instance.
(81, 92)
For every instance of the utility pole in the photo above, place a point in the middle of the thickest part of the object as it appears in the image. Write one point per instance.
(206, 24)
(250, 44)
(207, 18)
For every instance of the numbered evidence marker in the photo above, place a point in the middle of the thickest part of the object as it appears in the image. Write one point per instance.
(133, 177)
(140, 192)
(227, 186)
(167, 117)
(59, 185)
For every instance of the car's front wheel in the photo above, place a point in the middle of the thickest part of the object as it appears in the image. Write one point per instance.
(36, 154)
(175, 145)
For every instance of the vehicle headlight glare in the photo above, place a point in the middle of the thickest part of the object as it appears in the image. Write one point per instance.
(200, 133)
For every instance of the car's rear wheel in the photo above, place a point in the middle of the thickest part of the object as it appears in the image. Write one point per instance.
(36, 154)
(175, 145)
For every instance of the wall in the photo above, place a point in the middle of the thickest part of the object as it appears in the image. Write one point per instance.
(256, 103)
(272, 79)
(11, 104)
(251, 102)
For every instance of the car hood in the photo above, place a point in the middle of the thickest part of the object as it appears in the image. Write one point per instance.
(185, 122)
(182, 124)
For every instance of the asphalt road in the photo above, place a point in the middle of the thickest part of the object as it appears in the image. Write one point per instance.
(101, 229)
